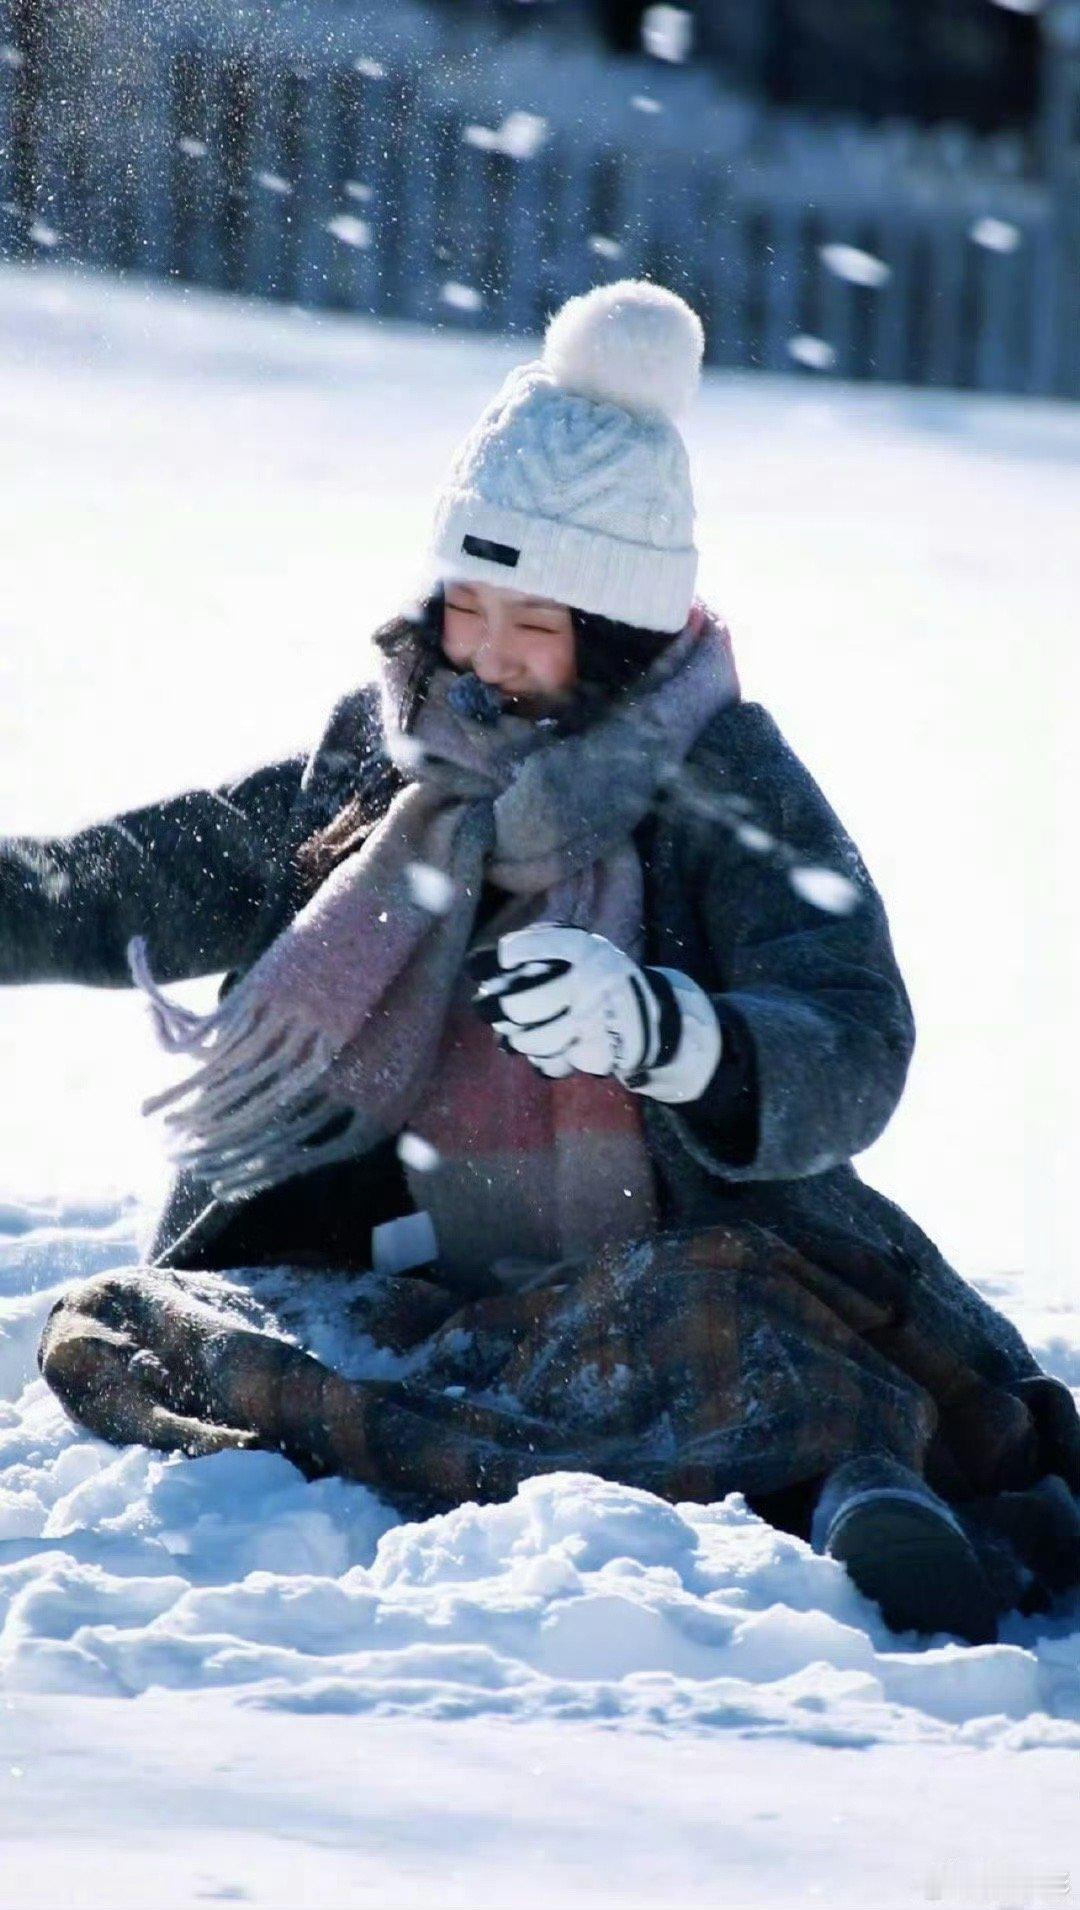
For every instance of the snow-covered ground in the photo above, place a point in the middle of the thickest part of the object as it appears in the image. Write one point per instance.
(222, 1683)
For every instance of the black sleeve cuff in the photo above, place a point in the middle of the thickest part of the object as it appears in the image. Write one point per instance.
(725, 1117)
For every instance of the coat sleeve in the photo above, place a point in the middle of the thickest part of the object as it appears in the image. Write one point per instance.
(189, 873)
(818, 1023)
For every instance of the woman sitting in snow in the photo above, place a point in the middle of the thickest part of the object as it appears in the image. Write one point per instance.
(560, 998)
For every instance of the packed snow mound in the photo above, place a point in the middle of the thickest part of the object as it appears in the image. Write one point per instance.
(122, 1571)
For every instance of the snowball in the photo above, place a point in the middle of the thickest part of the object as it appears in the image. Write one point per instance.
(273, 182)
(644, 103)
(631, 343)
(430, 888)
(605, 248)
(858, 267)
(349, 229)
(997, 235)
(10, 56)
(413, 1151)
(370, 69)
(667, 32)
(44, 235)
(816, 353)
(354, 189)
(825, 888)
(194, 148)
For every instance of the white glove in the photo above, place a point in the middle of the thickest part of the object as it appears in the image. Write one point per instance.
(570, 1000)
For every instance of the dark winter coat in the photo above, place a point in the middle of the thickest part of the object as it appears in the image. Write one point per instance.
(818, 1024)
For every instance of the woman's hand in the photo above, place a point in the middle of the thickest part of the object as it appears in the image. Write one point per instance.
(568, 1001)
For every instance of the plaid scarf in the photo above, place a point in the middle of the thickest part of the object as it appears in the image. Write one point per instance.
(354, 1025)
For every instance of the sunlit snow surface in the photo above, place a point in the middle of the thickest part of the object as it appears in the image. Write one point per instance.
(586, 1695)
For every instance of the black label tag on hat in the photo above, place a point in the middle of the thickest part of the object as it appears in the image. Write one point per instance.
(492, 553)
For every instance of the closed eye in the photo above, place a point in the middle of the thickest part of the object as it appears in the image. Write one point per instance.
(534, 629)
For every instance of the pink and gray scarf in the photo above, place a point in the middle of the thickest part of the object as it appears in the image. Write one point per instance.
(359, 1009)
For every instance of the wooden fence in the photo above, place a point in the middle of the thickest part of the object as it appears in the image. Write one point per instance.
(279, 169)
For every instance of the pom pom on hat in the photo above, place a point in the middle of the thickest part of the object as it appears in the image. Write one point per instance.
(575, 480)
(632, 344)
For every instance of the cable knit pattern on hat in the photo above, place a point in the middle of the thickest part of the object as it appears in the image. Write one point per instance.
(575, 482)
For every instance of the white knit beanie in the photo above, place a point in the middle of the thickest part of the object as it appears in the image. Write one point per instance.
(574, 483)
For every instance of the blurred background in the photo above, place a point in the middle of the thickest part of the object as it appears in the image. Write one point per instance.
(881, 189)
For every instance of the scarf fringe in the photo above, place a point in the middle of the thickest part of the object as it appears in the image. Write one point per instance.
(240, 1120)
(276, 1153)
(180, 1030)
(287, 1052)
(283, 1159)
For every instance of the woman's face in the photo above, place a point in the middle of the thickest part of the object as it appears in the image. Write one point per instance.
(521, 645)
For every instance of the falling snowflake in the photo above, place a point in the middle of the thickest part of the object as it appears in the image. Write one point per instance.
(349, 229)
(430, 888)
(194, 148)
(858, 267)
(667, 32)
(406, 752)
(519, 137)
(606, 248)
(10, 56)
(413, 1151)
(44, 235)
(816, 353)
(370, 69)
(522, 134)
(644, 103)
(272, 182)
(997, 235)
(754, 838)
(354, 189)
(463, 298)
(826, 888)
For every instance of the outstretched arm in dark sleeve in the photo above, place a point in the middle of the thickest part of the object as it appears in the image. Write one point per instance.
(189, 873)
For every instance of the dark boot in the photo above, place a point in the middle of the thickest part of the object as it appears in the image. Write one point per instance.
(905, 1549)
(1038, 1530)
